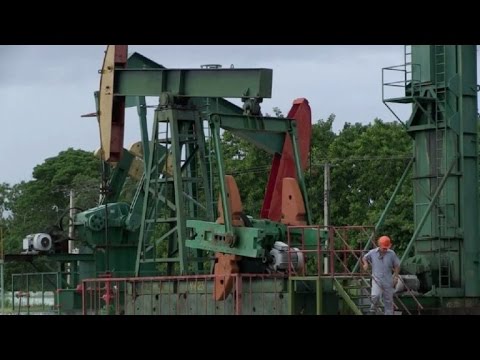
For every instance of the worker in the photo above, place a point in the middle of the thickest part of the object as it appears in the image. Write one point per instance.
(383, 261)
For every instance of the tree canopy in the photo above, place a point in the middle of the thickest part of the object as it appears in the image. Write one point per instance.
(34, 206)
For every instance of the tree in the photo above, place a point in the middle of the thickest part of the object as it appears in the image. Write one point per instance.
(5, 195)
(322, 137)
(368, 162)
(250, 167)
(38, 204)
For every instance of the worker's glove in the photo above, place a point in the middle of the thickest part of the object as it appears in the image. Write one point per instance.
(395, 281)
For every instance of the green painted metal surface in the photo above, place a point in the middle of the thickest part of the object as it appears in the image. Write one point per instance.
(267, 141)
(71, 257)
(346, 297)
(138, 61)
(311, 237)
(259, 297)
(196, 298)
(106, 240)
(253, 123)
(248, 241)
(312, 295)
(227, 211)
(227, 83)
(424, 64)
(443, 125)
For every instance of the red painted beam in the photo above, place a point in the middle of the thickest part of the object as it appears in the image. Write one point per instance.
(284, 165)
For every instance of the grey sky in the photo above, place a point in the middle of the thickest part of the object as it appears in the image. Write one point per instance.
(45, 89)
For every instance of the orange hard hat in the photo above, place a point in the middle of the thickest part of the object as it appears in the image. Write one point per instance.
(384, 242)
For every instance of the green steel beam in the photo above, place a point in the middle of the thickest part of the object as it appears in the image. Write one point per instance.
(271, 125)
(202, 149)
(291, 296)
(264, 141)
(148, 169)
(250, 241)
(228, 83)
(209, 236)
(138, 61)
(427, 212)
(421, 127)
(178, 191)
(216, 105)
(227, 212)
(271, 143)
(346, 297)
(142, 118)
(267, 133)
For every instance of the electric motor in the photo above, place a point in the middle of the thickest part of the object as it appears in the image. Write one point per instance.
(280, 257)
(34, 243)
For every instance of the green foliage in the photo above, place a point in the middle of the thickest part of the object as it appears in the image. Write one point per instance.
(62, 169)
(250, 167)
(5, 190)
(86, 190)
(322, 137)
(36, 205)
(368, 161)
(278, 112)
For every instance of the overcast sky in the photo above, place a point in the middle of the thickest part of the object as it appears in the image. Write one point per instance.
(45, 89)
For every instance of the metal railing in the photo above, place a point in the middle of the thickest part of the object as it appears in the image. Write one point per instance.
(342, 257)
(26, 286)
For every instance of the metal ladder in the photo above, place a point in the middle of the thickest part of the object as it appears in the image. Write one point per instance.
(444, 272)
(360, 287)
(354, 294)
(441, 143)
(408, 67)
